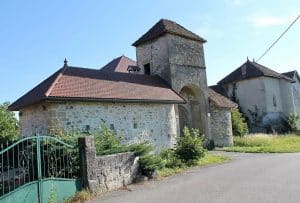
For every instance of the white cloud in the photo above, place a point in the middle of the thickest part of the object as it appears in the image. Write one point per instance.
(268, 20)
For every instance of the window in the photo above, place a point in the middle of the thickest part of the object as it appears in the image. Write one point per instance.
(135, 125)
(274, 101)
(112, 126)
(147, 69)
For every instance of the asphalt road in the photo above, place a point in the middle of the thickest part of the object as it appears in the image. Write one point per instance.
(247, 178)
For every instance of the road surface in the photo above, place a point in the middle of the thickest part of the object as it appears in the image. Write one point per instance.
(247, 178)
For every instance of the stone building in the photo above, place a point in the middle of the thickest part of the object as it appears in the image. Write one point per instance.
(265, 96)
(220, 118)
(151, 99)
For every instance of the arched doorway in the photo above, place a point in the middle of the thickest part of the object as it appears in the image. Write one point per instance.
(190, 112)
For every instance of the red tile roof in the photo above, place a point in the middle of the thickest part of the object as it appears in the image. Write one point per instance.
(167, 26)
(82, 84)
(119, 64)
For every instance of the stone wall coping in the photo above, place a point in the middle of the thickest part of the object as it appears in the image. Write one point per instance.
(115, 154)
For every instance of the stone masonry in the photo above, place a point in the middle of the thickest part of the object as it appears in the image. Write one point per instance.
(221, 127)
(105, 173)
(134, 122)
(180, 61)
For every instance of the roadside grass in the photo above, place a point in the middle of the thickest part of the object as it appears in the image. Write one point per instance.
(262, 143)
(209, 159)
(80, 196)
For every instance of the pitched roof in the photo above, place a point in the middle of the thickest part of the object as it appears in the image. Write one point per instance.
(82, 84)
(167, 26)
(218, 89)
(292, 74)
(220, 101)
(251, 70)
(120, 64)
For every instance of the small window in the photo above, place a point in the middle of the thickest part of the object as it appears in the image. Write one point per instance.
(135, 125)
(274, 101)
(87, 128)
(112, 126)
(147, 69)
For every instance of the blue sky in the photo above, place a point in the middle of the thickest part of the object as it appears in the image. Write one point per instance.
(36, 36)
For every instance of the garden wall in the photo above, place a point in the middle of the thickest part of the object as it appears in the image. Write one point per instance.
(108, 172)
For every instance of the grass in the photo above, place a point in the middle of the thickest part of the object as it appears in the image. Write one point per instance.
(262, 143)
(209, 159)
(80, 196)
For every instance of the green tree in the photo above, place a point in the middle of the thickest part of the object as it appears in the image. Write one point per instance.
(292, 122)
(9, 128)
(189, 147)
(239, 125)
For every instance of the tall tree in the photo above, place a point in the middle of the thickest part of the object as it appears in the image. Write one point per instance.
(9, 128)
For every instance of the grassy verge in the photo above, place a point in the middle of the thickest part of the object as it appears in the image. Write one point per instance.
(80, 196)
(265, 144)
(209, 159)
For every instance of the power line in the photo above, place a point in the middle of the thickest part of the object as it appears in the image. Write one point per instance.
(278, 38)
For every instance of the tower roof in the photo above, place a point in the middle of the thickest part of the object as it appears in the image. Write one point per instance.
(119, 64)
(167, 26)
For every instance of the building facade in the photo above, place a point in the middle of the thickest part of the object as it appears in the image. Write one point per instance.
(148, 100)
(265, 97)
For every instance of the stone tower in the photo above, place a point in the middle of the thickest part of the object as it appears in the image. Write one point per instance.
(176, 55)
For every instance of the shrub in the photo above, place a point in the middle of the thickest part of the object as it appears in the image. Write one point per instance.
(209, 144)
(149, 164)
(292, 120)
(141, 149)
(239, 125)
(9, 129)
(189, 147)
(170, 159)
(107, 141)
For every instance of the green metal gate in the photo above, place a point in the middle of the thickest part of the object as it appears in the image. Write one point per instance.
(38, 169)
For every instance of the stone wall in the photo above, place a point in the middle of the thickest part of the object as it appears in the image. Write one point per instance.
(221, 126)
(33, 119)
(134, 122)
(105, 173)
(180, 62)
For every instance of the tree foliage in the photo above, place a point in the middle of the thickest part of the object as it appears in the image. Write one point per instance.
(239, 125)
(9, 128)
(189, 147)
(292, 120)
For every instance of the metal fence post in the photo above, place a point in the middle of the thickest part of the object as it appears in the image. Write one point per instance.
(39, 168)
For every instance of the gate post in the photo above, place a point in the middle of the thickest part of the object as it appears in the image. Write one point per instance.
(87, 155)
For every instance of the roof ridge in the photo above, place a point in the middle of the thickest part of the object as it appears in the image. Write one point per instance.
(48, 92)
(119, 61)
(164, 26)
(258, 68)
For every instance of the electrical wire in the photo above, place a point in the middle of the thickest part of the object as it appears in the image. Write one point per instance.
(278, 38)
